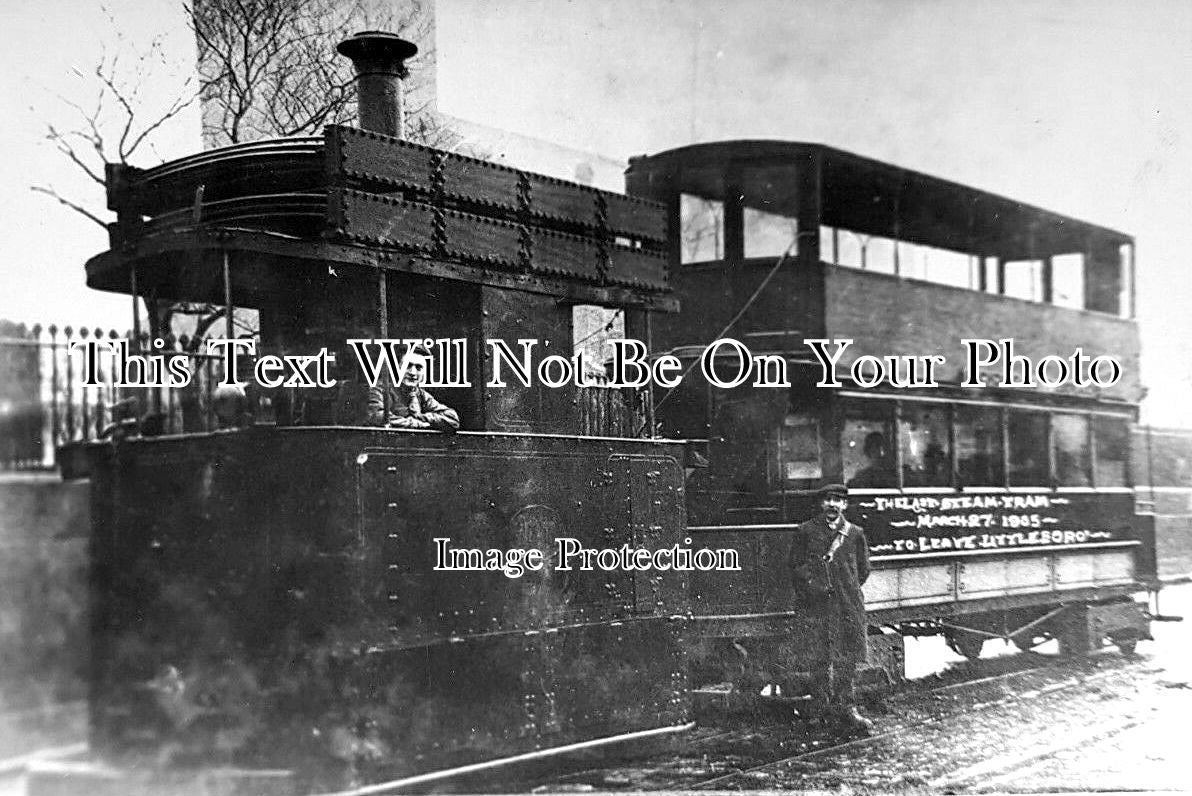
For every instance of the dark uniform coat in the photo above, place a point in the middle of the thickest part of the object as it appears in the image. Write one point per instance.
(830, 592)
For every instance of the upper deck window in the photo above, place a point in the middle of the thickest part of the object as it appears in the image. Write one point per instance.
(701, 222)
(1024, 279)
(1067, 281)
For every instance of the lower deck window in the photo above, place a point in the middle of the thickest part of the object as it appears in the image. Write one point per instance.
(865, 447)
(1111, 441)
(1070, 449)
(979, 446)
(926, 447)
(1028, 457)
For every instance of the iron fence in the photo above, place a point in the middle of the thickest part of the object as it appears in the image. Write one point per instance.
(46, 400)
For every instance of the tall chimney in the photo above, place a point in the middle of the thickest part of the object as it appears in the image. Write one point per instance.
(379, 59)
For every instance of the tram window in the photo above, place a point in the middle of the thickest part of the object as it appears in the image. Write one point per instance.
(979, 446)
(879, 254)
(1028, 449)
(768, 234)
(1111, 436)
(932, 264)
(1024, 279)
(1070, 445)
(926, 450)
(865, 446)
(702, 224)
(1067, 280)
(868, 252)
(799, 450)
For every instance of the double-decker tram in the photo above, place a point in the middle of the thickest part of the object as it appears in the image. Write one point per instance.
(997, 499)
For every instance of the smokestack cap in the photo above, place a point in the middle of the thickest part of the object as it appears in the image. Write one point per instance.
(374, 51)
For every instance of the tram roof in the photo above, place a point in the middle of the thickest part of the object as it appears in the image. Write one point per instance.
(877, 198)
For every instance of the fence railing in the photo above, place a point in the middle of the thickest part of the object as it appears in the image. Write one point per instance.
(46, 399)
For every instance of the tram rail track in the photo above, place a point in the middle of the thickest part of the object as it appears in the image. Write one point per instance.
(1001, 766)
(720, 748)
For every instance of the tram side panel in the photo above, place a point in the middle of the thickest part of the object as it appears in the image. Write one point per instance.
(268, 598)
(1164, 476)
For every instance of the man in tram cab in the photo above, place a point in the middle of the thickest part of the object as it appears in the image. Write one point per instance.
(407, 405)
(829, 561)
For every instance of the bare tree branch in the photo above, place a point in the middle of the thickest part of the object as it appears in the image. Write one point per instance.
(268, 67)
(68, 203)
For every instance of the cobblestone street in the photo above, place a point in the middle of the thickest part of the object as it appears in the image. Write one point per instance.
(1108, 724)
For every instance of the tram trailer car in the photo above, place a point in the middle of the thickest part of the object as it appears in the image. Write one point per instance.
(996, 511)
(264, 594)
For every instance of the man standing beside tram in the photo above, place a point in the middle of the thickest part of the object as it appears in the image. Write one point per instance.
(829, 561)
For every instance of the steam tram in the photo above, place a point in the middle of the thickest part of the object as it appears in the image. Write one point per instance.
(264, 594)
(996, 511)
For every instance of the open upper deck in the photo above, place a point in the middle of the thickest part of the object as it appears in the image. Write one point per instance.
(357, 197)
(899, 261)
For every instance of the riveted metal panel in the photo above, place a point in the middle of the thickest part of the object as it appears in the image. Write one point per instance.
(637, 268)
(556, 200)
(480, 182)
(636, 217)
(372, 218)
(564, 255)
(362, 156)
(473, 237)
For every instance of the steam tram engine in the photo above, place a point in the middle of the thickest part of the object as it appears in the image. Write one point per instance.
(264, 594)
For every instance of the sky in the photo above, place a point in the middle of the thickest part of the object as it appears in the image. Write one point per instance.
(1079, 107)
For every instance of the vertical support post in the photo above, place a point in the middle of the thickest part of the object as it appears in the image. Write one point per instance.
(810, 280)
(734, 216)
(55, 419)
(1005, 424)
(953, 454)
(136, 314)
(229, 310)
(1130, 258)
(383, 327)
